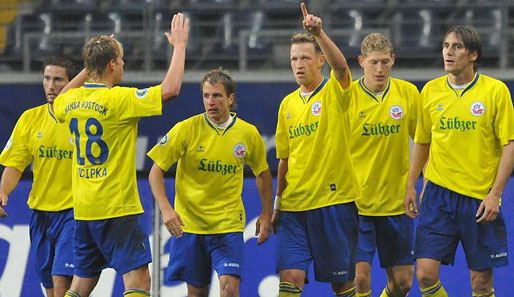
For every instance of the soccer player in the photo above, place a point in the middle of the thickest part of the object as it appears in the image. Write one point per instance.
(316, 183)
(466, 125)
(383, 116)
(103, 121)
(38, 138)
(209, 218)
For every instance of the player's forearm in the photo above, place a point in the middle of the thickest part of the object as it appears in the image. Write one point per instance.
(76, 82)
(156, 178)
(335, 58)
(281, 176)
(265, 187)
(170, 87)
(504, 169)
(10, 178)
(419, 158)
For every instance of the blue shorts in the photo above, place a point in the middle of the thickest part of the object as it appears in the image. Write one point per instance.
(119, 243)
(326, 236)
(193, 256)
(446, 218)
(51, 237)
(392, 236)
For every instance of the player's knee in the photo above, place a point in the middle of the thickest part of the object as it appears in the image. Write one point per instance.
(230, 290)
(402, 285)
(426, 277)
(363, 279)
(481, 284)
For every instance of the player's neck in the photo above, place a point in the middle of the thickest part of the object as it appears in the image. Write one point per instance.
(312, 85)
(221, 120)
(104, 80)
(375, 88)
(462, 77)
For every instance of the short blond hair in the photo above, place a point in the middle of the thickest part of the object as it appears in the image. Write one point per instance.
(98, 52)
(306, 38)
(376, 42)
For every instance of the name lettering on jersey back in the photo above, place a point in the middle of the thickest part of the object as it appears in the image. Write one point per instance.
(50, 152)
(456, 124)
(217, 166)
(372, 129)
(90, 173)
(303, 130)
(86, 105)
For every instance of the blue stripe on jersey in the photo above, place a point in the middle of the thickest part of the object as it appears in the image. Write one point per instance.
(234, 117)
(94, 85)
(51, 113)
(321, 85)
(473, 82)
(371, 94)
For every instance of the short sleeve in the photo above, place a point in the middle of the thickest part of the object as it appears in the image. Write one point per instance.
(170, 148)
(16, 152)
(257, 157)
(340, 98)
(504, 117)
(281, 139)
(424, 126)
(138, 103)
(415, 102)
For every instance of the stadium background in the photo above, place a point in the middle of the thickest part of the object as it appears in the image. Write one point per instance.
(250, 39)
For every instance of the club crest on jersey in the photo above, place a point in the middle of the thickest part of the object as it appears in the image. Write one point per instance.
(396, 112)
(316, 108)
(239, 150)
(141, 93)
(477, 108)
(163, 140)
(8, 144)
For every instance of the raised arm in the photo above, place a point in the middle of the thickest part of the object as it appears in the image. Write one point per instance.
(419, 158)
(10, 178)
(333, 55)
(265, 187)
(490, 206)
(177, 37)
(170, 217)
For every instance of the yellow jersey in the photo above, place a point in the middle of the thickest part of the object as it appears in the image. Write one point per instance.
(38, 138)
(314, 134)
(103, 122)
(209, 178)
(380, 146)
(466, 130)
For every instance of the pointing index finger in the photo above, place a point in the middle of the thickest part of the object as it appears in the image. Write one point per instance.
(304, 10)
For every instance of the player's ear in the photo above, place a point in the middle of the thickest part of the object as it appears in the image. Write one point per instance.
(361, 60)
(392, 59)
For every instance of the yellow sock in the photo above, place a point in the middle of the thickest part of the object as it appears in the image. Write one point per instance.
(385, 293)
(367, 294)
(348, 293)
(435, 290)
(289, 290)
(491, 294)
(136, 293)
(71, 293)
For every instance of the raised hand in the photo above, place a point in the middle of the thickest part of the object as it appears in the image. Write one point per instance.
(311, 23)
(179, 31)
(3, 202)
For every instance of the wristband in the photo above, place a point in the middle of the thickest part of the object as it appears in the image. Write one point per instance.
(276, 205)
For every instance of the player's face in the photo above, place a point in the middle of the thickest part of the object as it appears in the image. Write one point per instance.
(305, 63)
(54, 80)
(456, 56)
(377, 69)
(217, 103)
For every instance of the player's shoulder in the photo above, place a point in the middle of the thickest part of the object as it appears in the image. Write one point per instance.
(244, 124)
(289, 97)
(491, 80)
(34, 112)
(438, 82)
(404, 84)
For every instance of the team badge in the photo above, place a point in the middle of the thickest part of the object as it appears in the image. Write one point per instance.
(477, 108)
(396, 112)
(8, 144)
(141, 93)
(239, 150)
(164, 140)
(316, 108)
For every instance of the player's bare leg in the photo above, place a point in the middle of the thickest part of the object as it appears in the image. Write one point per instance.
(427, 274)
(229, 285)
(193, 291)
(482, 281)
(82, 286)
(291, 282)
(49, 292)
(363, 277)
(344, 289)
(138, 278)
(61, 284)
(399, 280)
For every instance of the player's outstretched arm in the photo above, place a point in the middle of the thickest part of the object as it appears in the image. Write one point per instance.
(281, 186)
(177, 37)
(170, 217)
(419, 158)
(490, 206)
(76, 82)
(265, 187)
(334, 56)
(10, 178)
